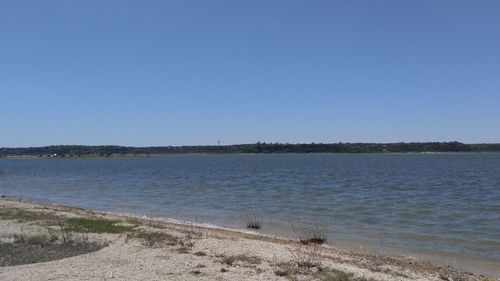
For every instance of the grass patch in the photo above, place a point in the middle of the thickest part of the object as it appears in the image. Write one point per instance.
(155, 238)
(96, 225)
(41, 239)
(29, 216)
(336, 275)
(43, 247)
(230, 260)
(288, 270)
(134, 222)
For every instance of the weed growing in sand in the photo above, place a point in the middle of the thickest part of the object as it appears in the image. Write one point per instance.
(337, 275)
(253, 221)
(314, 234)
(307, 256)
(96, 225)
(285, 270)
(41, 239)
(292, 272)
(190, 233)
(230, 260)
(152, 238)
(334, 275)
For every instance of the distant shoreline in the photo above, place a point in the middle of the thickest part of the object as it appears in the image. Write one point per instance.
(106, 151)
(33, 157)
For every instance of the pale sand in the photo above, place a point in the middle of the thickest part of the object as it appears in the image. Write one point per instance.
(129, 259)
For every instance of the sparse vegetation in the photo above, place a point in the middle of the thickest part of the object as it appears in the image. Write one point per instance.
(291, 271)
(47, 218)
(41, 239)
(45, 246)
(152, 238)
(285, 270)
(253, 221)
(230, 260)
(337, 275)
(448, 273)
(315, 234)
(307, 256)
(96, 225)
(190, 233)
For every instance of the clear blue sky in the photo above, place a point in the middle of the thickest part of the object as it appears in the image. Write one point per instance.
(195, 72)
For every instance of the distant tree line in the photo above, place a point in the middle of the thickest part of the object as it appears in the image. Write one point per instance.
(110, 150)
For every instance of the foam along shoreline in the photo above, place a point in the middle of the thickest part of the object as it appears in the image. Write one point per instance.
(198, 251)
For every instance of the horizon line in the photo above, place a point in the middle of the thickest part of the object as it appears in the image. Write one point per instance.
(250, 143)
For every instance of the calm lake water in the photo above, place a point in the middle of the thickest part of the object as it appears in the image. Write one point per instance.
(445, 207)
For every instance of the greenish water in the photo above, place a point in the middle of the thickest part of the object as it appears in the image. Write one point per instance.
(445, 207)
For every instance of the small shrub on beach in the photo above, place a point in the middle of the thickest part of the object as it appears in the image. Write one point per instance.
(230, 260)
(190, 233)
(307, 256)
(253, 221)
(288, 269)
(315, 234)
(152, 238)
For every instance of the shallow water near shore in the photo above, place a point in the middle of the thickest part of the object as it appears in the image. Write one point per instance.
(445, 207)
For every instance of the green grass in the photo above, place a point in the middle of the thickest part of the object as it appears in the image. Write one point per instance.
(72, 224)
(96, 225)
(135, 222)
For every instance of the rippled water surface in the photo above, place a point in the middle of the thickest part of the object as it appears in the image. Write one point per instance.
(442, 206)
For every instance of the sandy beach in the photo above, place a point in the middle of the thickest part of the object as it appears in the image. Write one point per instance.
(118, 247)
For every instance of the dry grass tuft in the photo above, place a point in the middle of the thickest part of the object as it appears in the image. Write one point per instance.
(52, 244)
(152, 238)
(230, 260)
(253, 221)
(315, 234)
(307, 256)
